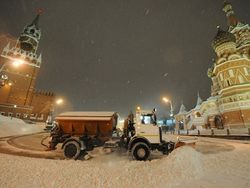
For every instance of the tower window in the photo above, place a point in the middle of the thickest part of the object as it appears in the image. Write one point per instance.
(221, 77)
(241, 80)
(231, 73)
(246, 71)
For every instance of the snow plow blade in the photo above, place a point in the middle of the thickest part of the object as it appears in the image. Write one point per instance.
(189, 142)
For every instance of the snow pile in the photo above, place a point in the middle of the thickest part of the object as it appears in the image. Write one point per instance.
(13, 126)
(182, 164)
(106, 171)
(187, 163)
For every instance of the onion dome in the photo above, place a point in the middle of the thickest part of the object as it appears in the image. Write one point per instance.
(222, 37)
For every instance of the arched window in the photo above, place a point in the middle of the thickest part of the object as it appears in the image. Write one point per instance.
(221, 77)
(198, 114)
(241, 80)
(246, 71)
(231, 73)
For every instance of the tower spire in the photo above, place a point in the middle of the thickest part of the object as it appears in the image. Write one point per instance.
(232, 19)
(182, 109)
(36, 20)
(199, 100)
(31, 35)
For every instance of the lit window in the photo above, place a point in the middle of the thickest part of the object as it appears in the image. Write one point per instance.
(231, 73)
(221, 77)
(246, 71)
(241, 80)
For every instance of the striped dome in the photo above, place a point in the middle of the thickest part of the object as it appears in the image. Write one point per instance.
(222, 37)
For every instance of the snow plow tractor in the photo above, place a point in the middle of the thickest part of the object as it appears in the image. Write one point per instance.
(80, 132)
(141, 135)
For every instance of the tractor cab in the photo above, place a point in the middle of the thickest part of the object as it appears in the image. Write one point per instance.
(143, 135)
(146, 125)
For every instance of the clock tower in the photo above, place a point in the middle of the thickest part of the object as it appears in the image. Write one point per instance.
(19, 66)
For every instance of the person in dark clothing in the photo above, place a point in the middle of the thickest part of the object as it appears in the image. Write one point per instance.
(56, 134)
(154, 118)
(129, 125)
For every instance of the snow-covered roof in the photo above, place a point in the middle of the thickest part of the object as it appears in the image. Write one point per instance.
(182, 109)
(198, 103)
(83, 115)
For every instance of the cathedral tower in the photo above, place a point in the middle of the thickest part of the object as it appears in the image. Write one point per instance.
(240, 30)
(230, 73)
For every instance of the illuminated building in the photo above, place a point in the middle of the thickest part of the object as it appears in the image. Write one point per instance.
(229, 104)
(19, 66)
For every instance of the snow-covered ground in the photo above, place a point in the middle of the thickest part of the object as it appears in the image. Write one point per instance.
(211, 163)
(13, 126)
(227, 165)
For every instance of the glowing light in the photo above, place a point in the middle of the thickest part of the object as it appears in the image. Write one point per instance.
(165, 99)
(59, 101)
(138, 108)
(17, 63)
(10, 84)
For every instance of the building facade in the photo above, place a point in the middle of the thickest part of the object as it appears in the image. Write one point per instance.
(19, 67)
(229, 104)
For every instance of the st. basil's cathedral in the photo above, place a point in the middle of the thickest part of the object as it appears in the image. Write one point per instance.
(229, 104)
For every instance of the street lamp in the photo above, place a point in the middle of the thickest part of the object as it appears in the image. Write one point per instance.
(166, 100)
(59, 101)
(56, 103)
(50, 117)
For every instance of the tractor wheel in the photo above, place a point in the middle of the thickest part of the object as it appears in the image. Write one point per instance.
(72, 150)
(140, 151)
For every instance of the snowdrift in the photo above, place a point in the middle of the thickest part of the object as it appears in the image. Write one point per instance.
(107, 171)
(14, 126)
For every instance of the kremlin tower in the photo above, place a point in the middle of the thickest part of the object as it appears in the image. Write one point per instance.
(19, 67)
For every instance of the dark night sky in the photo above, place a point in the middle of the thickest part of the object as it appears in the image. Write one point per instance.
(117, 54)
